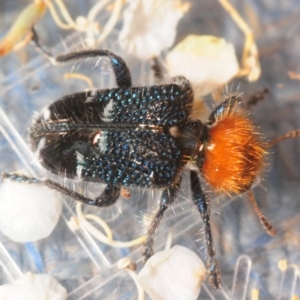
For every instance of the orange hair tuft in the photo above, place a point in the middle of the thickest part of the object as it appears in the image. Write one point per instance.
(233, 154)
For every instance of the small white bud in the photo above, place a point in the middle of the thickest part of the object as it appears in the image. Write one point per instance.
(28, 212)
(207, 62)
(33, 286)
(149, 27)
(173, 274)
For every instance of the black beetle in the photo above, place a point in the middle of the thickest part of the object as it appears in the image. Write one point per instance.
(144, 137)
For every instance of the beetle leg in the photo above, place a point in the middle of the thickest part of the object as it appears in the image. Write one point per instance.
(229, 103)
(122, 73)
(35, 39)
(108, 197)
(19, 178)
(226, 106)
(255, 97)
(168, 196)
(202, 204)
(183, 82)
(159, 70)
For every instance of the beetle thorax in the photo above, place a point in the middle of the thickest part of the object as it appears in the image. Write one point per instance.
(233, 154)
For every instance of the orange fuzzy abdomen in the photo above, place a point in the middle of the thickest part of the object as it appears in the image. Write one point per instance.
(233, 155)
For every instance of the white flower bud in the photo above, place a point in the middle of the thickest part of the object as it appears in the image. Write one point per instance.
(149, 27)
(33, 286)
(28, 212)
(207, 62)
(173, 274)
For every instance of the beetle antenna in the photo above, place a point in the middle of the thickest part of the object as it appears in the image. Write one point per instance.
(263, 220)
(289, 135)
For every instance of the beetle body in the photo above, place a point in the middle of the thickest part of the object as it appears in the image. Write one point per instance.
(144, 137)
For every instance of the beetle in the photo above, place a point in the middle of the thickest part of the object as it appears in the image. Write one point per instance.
(144, 137)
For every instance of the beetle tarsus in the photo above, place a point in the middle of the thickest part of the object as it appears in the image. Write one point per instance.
(214, 273)
(148, 249)
(19, 178)
(36, 41)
